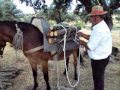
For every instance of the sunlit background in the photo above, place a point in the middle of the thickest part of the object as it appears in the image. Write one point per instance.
(28, 9)
(23, 7)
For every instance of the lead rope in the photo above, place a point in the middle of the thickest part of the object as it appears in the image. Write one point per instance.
(57, 69)
(1, 85)
(119, 41)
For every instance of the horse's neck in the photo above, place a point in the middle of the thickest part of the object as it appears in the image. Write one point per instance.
(9, 33)
(5, 35)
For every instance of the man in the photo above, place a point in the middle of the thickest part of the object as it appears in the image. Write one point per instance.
(99, 45)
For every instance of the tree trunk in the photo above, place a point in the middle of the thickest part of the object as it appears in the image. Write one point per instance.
(107, 18)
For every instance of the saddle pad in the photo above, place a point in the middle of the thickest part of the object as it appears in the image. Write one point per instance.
(44, 27)
(68, 45)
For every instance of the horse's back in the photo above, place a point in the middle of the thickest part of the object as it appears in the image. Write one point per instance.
(44, 27)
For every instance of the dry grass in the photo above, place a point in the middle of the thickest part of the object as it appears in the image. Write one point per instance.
(112, 76)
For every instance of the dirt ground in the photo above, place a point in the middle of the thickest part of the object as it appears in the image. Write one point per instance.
(11, 59)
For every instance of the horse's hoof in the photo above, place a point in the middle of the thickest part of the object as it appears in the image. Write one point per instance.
(64, 73)
(31, 88)
(48, 88)
(75, 78)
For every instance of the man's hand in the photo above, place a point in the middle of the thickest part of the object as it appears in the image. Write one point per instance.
(81, 34)
(83, 43)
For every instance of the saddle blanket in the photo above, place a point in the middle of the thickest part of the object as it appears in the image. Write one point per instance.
(44, 27)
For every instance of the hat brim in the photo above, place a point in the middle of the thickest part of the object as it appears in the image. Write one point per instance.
(94, 14)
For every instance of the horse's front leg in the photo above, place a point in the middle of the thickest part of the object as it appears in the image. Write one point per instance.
(35, 78)
(75, 64)
(33, 64)
(75, 72)
(67, 62)
(45, 73)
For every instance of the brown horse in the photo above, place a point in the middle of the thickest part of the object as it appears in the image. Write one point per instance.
(32, 38)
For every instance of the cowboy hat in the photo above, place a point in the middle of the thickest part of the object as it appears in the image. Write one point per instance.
(97, 10)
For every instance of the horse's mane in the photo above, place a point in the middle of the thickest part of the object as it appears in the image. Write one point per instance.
(25, 28)
(20, 24)
(15, 22)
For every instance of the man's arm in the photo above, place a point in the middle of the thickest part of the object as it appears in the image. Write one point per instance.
(84, 44)
(81, 34)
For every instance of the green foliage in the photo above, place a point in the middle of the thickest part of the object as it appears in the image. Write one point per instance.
(57, 16)
(26, 18)
(41, 4)
(83, 7)
(79, 24)
(8, 11)
(52, 22)
(70, 17)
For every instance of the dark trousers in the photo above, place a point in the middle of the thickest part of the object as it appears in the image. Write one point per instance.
(98, 69)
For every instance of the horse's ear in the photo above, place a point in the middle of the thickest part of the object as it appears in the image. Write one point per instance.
(14, 22)
(32, 19)
(40, 17)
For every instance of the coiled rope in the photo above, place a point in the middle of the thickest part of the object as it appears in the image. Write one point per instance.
(18, 39)
(78, 66)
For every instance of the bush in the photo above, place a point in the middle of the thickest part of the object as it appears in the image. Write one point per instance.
(51, 22)
(79, 24)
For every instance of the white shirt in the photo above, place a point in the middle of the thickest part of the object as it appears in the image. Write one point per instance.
(100, 42)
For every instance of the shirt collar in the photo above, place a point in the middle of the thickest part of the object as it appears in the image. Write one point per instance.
(99, 24)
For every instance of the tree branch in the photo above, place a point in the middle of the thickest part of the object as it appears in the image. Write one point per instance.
(116, 5)
(87, 4)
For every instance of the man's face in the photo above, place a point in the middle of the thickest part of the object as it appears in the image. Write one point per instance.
(93, 20)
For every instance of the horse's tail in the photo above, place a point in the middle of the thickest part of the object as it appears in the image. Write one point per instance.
(81, 58)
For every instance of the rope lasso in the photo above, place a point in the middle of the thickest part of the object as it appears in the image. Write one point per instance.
(78, 66)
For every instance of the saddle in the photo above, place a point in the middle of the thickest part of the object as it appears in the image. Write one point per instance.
(54, 37)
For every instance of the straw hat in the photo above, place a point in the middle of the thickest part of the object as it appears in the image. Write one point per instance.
(97, 10)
